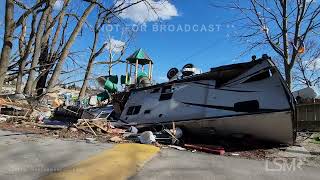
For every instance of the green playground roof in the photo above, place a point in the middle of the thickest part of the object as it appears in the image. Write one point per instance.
(140, 55)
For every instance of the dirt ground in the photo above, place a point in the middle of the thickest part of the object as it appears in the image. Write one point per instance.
(58, 133)
(305, 147)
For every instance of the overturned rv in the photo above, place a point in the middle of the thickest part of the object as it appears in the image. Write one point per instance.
(247, 98)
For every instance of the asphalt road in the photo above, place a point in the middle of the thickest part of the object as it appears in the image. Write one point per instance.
(184, 165)
(32, 157)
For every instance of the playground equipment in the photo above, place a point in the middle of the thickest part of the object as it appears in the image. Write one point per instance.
(141, 78)
(139, 59)
(109, 83)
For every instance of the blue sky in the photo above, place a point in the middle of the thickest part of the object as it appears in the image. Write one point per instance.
(205, 49)
(210, 48)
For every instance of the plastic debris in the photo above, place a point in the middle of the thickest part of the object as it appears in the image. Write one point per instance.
(178, 147)
(133, 130)
(90, 140)
(147, 137)
(93, 101)
(3, 119)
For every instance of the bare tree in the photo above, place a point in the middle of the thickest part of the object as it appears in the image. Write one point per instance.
(66, 49)
(306, 72)
(93, 52)
(10, 26)
(25, 54)
(281, 25)
(48, 51)
(111, 62)
(7, 39)
(42, 52)
(37, 47)
(109, 45)
(110, 11)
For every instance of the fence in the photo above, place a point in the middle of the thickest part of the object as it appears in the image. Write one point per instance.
(308, 116)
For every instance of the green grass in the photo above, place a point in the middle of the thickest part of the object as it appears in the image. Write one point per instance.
(316, 140)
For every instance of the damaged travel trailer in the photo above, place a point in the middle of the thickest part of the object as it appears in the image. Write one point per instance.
(247, 98)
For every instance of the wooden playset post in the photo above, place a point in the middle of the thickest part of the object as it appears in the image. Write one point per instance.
(130, 73)
(126, 81)
(149, 71)
(136, 74)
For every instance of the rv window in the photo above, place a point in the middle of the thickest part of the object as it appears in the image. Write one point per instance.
(258, 77)
(133, 110)
(130, 110)
(247, 106)
(136, 110)
(147, 111)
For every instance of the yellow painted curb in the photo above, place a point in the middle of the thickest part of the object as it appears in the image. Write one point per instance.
(119, 162)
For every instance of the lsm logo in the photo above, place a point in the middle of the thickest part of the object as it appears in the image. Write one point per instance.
(284, 164)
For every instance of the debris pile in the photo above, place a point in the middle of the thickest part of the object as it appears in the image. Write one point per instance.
(95, 124)
(22, 114)
(22, 109)
(89, 124)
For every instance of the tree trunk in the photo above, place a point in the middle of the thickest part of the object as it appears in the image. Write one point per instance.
(23, 60)
(65, 51)
(286, 44)
(86, 79)
(7, 41)
(288, 74)
(22, 52)
(37, 52)
(44, 61)
(44, 65)
(47, 63)
(90, 62)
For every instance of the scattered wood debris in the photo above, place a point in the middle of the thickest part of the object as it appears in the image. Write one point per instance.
(22, 116)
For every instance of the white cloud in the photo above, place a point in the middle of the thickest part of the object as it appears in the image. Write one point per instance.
(115, 45)
(58, 5)
(311, 1)
(142, 12)
(314, 64)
